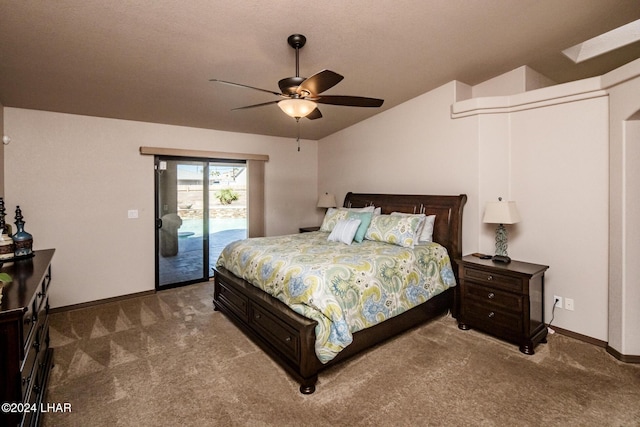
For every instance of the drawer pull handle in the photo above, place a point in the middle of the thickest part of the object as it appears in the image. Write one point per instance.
(492, 314)
(491, 295)
(490, 278)
(257, 315)
(288, 339)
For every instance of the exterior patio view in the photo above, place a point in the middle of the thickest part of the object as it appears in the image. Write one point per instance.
(183, 227)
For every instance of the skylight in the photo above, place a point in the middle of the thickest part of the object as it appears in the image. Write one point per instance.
(604, 43)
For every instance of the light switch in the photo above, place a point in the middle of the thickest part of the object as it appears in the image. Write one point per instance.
(132, 213)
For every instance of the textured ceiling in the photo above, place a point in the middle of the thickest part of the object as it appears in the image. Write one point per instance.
(151, 60)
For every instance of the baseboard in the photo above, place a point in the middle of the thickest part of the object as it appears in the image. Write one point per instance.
(100, 302)
(580, 337)
(623, 357)
(615, 353)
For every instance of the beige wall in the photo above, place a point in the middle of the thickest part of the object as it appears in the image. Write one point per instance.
(559, 178)
(520, 80)
(75, 178)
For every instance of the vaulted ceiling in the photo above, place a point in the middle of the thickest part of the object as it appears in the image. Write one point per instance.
(151, 60)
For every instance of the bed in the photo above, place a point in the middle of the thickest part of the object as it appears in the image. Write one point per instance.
(290, 337)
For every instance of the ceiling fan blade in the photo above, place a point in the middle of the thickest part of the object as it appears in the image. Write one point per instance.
(255, 105)
(245, 86)
(315, 114)
(319, 82)
(349, 101)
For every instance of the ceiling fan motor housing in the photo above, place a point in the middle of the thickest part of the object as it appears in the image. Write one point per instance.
(289, 85)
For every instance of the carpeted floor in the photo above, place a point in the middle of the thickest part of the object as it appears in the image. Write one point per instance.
(168, 359)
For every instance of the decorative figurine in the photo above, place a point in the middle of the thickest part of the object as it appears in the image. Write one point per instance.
(22, 240)
(6, 242)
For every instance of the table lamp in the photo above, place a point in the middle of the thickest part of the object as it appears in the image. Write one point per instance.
(501, 213)
(327, 200)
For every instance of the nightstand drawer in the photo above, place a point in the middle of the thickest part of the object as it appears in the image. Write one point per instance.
(494, 297)
(513, 284)
(493, 320)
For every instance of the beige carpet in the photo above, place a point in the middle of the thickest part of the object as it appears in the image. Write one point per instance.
(169, 360)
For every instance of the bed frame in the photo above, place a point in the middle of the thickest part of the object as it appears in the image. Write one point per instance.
(289, 337)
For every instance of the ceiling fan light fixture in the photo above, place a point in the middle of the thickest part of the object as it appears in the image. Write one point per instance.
(296, 107)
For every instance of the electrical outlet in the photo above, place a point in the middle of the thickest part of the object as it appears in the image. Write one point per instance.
(558, 301)
(568, 304)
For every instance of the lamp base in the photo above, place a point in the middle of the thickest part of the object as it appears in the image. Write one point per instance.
(501, 258)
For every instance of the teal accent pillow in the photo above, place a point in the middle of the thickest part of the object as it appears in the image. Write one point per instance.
(395, 229)
(365, 220)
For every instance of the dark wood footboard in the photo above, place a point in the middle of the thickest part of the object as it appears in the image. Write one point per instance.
(283, 334)
(289, 338)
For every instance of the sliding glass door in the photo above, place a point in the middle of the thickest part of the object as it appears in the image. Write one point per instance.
(201, 206)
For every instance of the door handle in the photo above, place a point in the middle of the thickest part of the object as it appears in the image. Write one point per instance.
(158, 223)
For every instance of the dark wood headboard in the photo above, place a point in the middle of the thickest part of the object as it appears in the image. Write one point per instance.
(448, 211)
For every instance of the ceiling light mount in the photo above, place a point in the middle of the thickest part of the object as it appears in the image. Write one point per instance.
(297, 41)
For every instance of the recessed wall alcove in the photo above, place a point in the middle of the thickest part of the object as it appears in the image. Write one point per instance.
(624, 283)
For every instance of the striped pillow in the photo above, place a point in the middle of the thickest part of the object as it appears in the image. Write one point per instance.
(344, 231)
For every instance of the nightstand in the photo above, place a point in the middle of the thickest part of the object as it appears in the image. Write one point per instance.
(505, 300)
(308, 229)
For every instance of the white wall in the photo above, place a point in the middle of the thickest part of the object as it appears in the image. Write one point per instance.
(75, 178)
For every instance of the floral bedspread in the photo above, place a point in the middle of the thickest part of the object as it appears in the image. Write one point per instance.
(345, 288)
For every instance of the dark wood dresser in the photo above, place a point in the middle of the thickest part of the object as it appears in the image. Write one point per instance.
(25, 356)
(505, 300)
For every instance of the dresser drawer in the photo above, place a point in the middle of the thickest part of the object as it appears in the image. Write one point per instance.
(29, 323)
(495, 280)
(32, 352)
(493, 320)
(284, 336)
(233, 300)
(493, 297)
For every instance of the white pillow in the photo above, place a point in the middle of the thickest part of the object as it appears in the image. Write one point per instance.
(427, 231)
(344, 231)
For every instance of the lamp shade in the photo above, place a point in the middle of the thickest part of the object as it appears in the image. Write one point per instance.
(327, 200)
(297, 108)
(501, 212)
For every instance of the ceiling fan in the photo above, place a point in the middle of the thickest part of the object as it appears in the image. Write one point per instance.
(301, 96)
